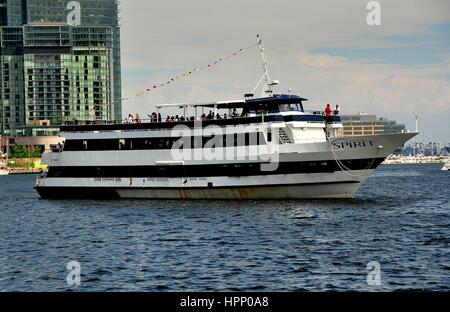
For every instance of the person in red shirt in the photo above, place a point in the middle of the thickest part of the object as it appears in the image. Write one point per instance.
(328, 111)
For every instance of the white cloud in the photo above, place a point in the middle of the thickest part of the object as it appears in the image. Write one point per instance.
(173, 33)
(370, 86)
(169, 37)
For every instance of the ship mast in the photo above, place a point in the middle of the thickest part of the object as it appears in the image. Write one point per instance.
(269, 83)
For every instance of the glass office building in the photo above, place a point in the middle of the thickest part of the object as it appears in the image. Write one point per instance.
(55, 70)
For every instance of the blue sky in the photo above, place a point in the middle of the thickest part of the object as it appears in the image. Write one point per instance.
(429, 48)
(322, 49)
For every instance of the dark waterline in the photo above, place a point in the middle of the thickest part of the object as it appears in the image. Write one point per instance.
(399, 218)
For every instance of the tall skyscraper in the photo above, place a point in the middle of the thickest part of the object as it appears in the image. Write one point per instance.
(59, 61)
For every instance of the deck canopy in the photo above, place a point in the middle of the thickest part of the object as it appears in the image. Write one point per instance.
(269, 103)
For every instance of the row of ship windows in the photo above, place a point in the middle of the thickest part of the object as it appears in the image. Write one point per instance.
(179, 171)
(365, 128)
(360, 132)
(244, 139)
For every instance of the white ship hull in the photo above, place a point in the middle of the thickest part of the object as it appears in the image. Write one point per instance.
(293, 186)
(336, 183)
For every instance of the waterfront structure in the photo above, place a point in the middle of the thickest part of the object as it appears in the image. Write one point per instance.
(363, 124)
(59, 62)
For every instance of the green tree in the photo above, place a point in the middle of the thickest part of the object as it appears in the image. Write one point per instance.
(20, 151)
(36, 152)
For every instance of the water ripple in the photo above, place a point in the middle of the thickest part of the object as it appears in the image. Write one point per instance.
(399, 218)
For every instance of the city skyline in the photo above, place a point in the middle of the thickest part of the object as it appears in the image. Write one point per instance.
(60, 61)
(322, 50)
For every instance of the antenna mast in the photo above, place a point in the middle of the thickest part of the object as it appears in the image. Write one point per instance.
(265, 76)
(417, 122)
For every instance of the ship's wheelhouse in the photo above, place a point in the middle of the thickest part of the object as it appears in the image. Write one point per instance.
(273, 105)
(250, 107)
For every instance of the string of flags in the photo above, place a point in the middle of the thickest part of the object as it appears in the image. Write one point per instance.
(190, 72)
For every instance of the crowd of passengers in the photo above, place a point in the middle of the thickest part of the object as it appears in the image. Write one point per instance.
(154, 117)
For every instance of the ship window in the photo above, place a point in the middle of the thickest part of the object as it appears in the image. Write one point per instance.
(229, 140)
(241, 139)
(291, 107)
(247, 139)
(269, 136)
(104, 145)
(122, 145)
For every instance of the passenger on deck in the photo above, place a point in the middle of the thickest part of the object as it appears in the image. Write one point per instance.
(168, 119)
(234, 113)
(328, 111)
(154, 117)
(225, 116)
(130, 118)
(337, 110)
(203, 117)
(210, 116)
(218, 116)
(138, 119)
(159, 117)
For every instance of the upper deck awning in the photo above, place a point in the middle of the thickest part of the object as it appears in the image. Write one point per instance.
(219, 105)
(272, 100)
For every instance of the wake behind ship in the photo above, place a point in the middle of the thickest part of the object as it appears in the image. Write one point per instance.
(256, 148)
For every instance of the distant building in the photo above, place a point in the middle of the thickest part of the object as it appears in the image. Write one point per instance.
(364, 124)
(59, 61)
(424, 149)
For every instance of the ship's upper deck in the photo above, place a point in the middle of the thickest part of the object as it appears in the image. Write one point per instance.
(277, 108)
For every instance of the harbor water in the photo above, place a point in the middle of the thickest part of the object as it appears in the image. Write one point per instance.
(400, 218)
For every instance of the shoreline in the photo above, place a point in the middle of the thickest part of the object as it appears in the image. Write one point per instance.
(410, 160)
(20, 166)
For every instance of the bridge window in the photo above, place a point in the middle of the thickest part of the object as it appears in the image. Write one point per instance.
(298, 107)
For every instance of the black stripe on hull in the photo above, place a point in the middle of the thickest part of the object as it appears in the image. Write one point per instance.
(112, 193)
(215, 170)
(77, 193)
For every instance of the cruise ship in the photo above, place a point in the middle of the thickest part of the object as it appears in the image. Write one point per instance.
(267, 147)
